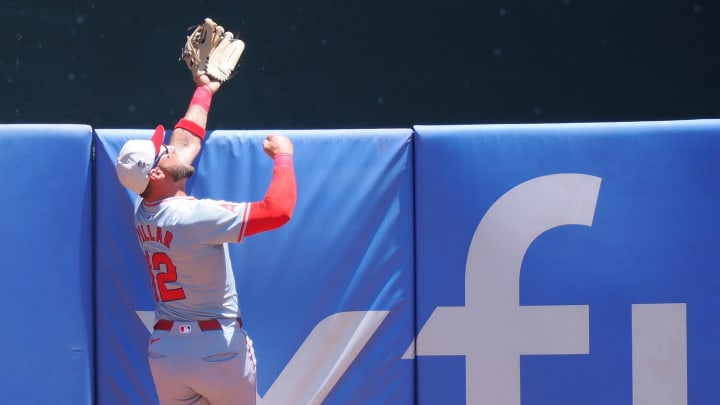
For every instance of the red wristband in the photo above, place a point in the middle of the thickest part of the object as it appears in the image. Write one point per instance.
(202, 97)
(191, 127)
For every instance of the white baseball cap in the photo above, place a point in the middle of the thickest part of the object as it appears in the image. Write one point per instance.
(137, 158)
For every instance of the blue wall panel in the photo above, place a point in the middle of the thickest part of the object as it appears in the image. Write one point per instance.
(579, 263)
(539, 264)
(327, 299)
(46, 337)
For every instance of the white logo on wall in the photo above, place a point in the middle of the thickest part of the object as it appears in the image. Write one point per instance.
(493, 330)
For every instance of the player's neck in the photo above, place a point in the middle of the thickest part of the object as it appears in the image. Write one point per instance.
(163, 190)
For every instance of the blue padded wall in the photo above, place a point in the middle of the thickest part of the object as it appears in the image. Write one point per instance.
(327, 299)
(46, 337)
(579, 263)
(513, 264)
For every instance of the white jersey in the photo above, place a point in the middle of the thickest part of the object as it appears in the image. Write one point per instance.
(184, 240)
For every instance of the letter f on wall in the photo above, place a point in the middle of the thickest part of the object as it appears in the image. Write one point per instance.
(492, 330)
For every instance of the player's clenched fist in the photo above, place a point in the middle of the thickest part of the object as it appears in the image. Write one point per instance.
(274, 144)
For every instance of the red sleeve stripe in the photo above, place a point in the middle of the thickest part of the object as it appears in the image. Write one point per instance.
(245, 218)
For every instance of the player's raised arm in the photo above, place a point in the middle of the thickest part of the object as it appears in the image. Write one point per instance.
(211, 55)
(189, 132)
(278, 205)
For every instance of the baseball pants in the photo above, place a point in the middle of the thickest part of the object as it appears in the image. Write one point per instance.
(206, 362)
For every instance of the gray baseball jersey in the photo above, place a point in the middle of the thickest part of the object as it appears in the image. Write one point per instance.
(184, 240)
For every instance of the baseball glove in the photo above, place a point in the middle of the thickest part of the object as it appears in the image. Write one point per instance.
(211, 50)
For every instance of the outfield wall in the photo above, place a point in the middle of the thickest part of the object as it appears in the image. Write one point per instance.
(47, 332)
(500, 264)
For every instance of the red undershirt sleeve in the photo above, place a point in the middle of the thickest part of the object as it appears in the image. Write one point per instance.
(277, 207)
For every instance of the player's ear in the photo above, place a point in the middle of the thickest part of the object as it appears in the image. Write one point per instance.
(156, 173)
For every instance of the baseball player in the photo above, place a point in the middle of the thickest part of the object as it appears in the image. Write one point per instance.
(199, 352)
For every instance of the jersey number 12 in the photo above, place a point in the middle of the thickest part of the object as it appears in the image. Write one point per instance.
(159, 279)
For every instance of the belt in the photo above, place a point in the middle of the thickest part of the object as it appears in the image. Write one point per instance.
(210, 324)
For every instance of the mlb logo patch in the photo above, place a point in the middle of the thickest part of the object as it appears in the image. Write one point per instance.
(184, 328)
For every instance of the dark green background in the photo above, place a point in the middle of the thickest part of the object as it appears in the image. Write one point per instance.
(365, 63)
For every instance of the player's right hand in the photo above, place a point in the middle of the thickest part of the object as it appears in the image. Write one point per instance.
(275, 144)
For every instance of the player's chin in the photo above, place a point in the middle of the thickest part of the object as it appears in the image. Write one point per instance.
(188, 172)
(180, 172)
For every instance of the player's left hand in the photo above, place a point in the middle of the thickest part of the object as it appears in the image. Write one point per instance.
(275, 144)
